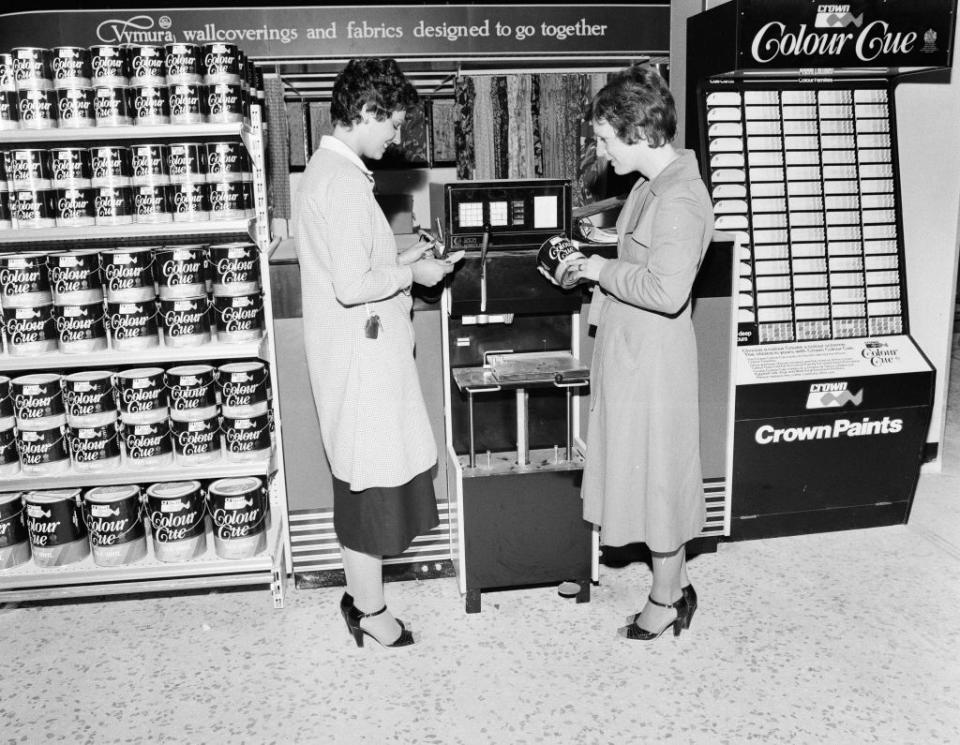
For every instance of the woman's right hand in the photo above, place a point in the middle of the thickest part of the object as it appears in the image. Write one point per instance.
(429, 272)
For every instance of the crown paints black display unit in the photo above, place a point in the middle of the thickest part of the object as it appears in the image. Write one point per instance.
(794, 107)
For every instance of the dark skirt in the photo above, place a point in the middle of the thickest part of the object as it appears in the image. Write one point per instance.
(384, 520)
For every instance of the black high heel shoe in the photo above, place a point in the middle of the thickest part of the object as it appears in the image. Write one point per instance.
(633, 631)
(690, 595)
(346, 603)
(355, 615)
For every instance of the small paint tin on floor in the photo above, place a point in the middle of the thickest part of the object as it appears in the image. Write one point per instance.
(176, 512)
(115, 524)
(58, 535)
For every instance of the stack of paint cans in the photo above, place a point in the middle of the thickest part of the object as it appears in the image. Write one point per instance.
(189, 193)
(70, 67)
(111, 173)
(32, 199)
(226, 80)
(238, 508)
(176, 512)
(131, 297)
(14, 540)
(33, 80)
(230, 179)
(145, 429)
(151, 183)
(149, 101)
(110, 76)
(8, 94)
(9, 460)
(58, 534)
(29, 326)
(71, 178)
(194, 414)
(41, 424)
(237, 295)
(92, 420)
(185, 83)
(244, 393)
(115, 524)
(181, 275)
(78, 308)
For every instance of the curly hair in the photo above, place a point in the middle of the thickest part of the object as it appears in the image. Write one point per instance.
(370, 81)
(634, 101)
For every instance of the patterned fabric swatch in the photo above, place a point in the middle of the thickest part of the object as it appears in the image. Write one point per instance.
(464, 104)
(297, 123)
(484, 162)
(277, 147)
(444, 132)
(319, 123)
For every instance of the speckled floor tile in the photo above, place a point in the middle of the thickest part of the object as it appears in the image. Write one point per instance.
(841, 638)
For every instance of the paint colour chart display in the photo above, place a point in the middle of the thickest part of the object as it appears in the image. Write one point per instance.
(805, 177)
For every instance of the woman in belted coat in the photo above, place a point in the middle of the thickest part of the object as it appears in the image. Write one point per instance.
(642, 481)
(359, 341)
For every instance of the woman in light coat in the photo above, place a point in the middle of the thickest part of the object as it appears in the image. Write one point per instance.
(642, 480)
(359, 342)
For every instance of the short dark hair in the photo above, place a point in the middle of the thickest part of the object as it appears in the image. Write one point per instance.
(637, 100)
(370, 81)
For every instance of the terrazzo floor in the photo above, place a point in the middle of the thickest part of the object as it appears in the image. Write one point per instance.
(843, 638)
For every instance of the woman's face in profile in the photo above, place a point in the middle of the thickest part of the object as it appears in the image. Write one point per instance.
(377, 136)
(620, 155)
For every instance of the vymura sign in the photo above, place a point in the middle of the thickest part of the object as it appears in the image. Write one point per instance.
(864, 33)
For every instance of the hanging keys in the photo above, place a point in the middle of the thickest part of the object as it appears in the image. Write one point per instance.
(372, 326)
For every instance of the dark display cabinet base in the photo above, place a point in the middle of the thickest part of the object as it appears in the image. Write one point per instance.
(819, 521)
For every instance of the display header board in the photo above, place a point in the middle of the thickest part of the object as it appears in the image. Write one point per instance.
(794, 34)
(356, 31)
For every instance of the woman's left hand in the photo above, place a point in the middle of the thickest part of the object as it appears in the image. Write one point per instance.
(589, 269)
(415, 252)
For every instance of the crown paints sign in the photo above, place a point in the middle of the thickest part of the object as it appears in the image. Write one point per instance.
(869, 33)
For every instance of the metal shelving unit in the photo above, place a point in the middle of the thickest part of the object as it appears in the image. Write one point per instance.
(84, 578)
